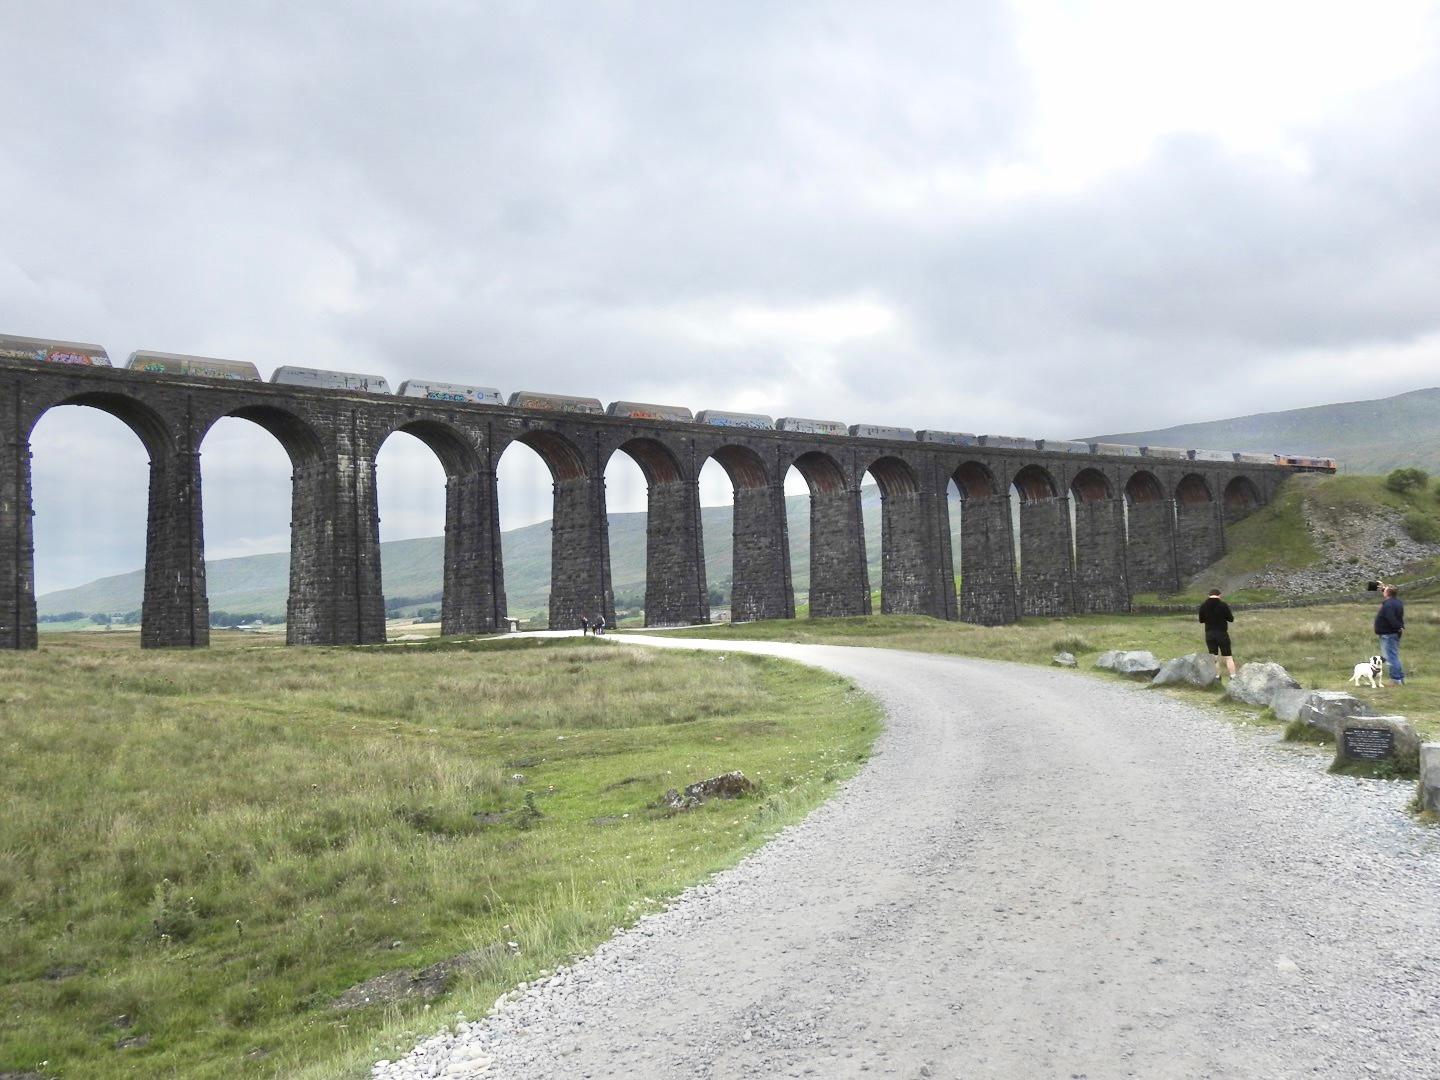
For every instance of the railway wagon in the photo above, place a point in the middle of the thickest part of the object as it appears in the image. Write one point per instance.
(880, 431)
(52, 352)
(1064, 446)
(1007, 442)
(947, 438)
(1111, 449)
(444, 391)
(717, 418)
(639, 410)
(527, 399)
(1211, 455)
(202, 367)
(1302, 463)
(318, 378)
(811, 427)
(1170, 453)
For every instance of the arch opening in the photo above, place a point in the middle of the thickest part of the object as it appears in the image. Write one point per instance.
(559, 454)
(1143, 487)
(418, 469)
(975, 481)
(1193, 490)
(1033, 484)
(526, 481)
(1241, 496)
(90, 470)
(745, 571)
(1090, 485)
(822, 473)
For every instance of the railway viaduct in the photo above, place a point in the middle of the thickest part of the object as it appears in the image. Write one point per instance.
(1139, 524)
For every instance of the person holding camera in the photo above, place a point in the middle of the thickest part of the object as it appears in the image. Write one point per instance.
(1389, 625)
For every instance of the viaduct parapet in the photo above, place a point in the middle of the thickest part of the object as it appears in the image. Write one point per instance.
(1093, 530)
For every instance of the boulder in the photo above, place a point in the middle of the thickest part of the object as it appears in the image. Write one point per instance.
(1354, 732)
(1064, 659)
(1286, 704)
(1257, 683)
(1196, 669)
(1324, 709)
(1429, 794)
(1128, 662)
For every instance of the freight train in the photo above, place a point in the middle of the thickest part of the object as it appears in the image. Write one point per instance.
(204, 367)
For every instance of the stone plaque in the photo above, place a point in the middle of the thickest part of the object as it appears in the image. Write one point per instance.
(1369, 744)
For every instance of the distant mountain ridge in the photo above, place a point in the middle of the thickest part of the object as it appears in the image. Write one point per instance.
(1364, 436)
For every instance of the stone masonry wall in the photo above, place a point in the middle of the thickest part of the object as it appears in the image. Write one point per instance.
(987, 562)
(1198, 537)
(839, 580)
(1046, 586)
(1150, 553)
(1100, 584)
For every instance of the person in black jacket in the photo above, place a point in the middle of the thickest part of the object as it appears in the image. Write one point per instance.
(1217, 617)
(1389, 625)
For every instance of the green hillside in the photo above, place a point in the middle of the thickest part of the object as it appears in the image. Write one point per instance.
(1365, 436)
(412, 568)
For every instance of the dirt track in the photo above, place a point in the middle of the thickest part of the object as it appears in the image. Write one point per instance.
(1039, 875)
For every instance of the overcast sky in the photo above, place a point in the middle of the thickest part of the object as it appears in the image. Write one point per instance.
(1041, 218)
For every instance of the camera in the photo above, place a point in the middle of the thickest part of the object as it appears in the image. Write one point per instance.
(1372, 586)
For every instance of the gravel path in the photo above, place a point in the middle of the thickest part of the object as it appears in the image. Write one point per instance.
(1039, 874)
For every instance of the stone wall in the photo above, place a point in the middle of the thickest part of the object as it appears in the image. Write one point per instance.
(1046, 574)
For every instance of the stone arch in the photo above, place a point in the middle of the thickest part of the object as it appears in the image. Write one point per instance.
(318, 610)
(173, 611)
(1241, 497)
(760, 585)
(894, 476)
(1192, 490)
(1091, 485)
(839, 579)
(1046, 546)
(1097, 521)
(987, 547)
(455, 452)
(675, 588)
(1035, 484)
(562, 457)
(822, 473)
(1143, 487)
(147, 424)
(744, 466)
(470, 570)
(297, 436)
(975, 481)
(911, 581)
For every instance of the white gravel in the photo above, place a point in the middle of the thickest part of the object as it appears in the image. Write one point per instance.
(1039, 874)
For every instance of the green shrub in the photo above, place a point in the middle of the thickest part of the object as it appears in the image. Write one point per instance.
(1422, 528)
(1402, 481)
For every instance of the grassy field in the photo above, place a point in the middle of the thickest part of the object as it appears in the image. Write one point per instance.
(201, 852)
(1319, 646)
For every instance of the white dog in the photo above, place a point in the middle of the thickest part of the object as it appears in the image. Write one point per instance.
(1371, 670)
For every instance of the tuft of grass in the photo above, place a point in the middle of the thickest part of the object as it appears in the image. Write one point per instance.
(1422, 528)
(1072, 643)
(1311, 631)
(216, 844)
(1299, 731)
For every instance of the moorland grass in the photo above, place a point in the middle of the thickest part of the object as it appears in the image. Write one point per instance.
(1286, 636)
(201, 850)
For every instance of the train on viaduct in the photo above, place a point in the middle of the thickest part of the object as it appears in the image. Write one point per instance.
(1094, 528)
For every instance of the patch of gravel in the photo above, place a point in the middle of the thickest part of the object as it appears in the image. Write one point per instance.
(1038, 874)
(1357, 544)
